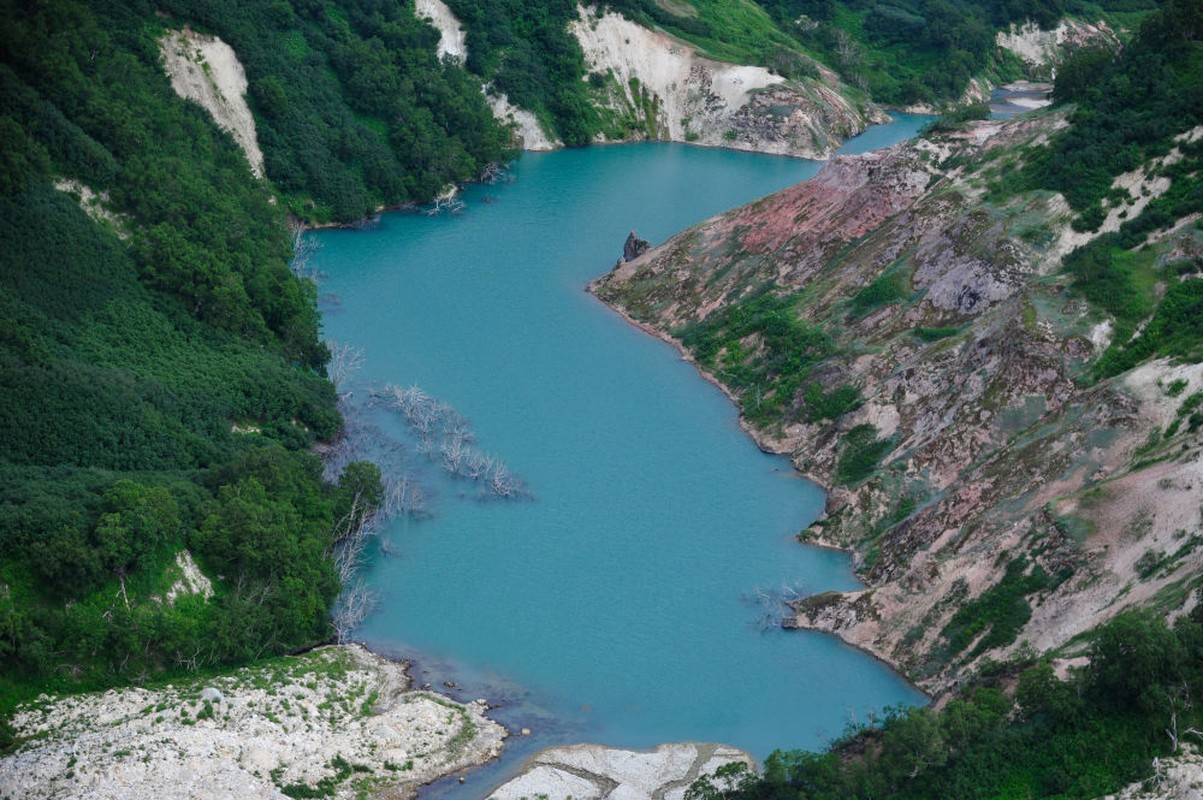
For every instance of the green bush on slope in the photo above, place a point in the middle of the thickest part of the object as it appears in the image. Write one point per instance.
(1080, 738)
(157, 391)
(353, 107)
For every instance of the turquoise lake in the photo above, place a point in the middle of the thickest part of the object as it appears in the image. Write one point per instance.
(630, 601)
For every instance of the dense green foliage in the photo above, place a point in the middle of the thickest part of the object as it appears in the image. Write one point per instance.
(908, 51)
(739, 31)
(1080, 738)
(81, 99)
(527, 53)
(1129, 110)
(998, 614)
(759, 348)
(353, 107)
(886, 289)
(860, 453)
(920, 51)
(161, 374)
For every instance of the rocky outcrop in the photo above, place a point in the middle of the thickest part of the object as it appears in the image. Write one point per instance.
(338, 721)
(1178, 777)
(205, 69)
(667, 91)
(97, 205)
(453, 42)
(1041, 51)
(527, 129)
(1005, 472)
(594, 772)
(634, 247)
(699, 100)
(453, 39)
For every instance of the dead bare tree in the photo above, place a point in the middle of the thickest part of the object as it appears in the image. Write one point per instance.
(303, 248)
(1179, 700)
(446, 202)
(774, 605)
(403, 495)
(345, 361)
(350, 610)
(503, 483)
(494, 173)
(190, 663)
(454, 451)
(434, 421)
(850, 55)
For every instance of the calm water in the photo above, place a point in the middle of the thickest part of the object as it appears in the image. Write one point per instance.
(623, 604)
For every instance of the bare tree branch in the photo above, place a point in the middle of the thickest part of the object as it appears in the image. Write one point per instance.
(303, 248)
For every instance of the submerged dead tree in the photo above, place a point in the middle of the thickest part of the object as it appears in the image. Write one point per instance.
(359, 523)
(434, 421)
(774, 604)
(345, 361)
(303, 248)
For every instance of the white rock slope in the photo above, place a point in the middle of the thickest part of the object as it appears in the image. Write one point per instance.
(712, 103)
(697, 99)
(337, 718)
(594, 772)
(453, 42)
(452, 37)
(205, 69)
(1041, 50)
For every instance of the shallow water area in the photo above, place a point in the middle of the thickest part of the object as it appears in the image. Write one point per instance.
(633, 599)
(1018, 98)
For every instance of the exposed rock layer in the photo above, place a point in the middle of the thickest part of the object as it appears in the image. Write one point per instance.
(691, 98)
(973, 371)
(708, 102)
(338, 714)
(205, 69)
(594, 772)
(1041, 51)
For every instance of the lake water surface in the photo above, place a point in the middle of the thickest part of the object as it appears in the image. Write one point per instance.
(623, 604)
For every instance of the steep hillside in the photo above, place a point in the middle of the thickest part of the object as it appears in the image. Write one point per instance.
(904, 328)
(670, 91)
(628, 81)
(936, 53)
(162, 375)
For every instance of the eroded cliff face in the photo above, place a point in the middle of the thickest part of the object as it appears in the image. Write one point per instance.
(658, 87)
(1017, 504)
(1041, 51)
(205, 70)
(686, 97)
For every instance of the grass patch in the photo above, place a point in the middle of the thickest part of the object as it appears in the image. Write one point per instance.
(1000, 612)
(760, 349)
(862, 451)
(884, 291)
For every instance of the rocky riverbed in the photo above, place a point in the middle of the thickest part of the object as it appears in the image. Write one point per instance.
(594, 772)
(338, 720)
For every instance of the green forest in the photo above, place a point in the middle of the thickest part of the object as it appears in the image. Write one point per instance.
(926, 51)
(162, 373)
